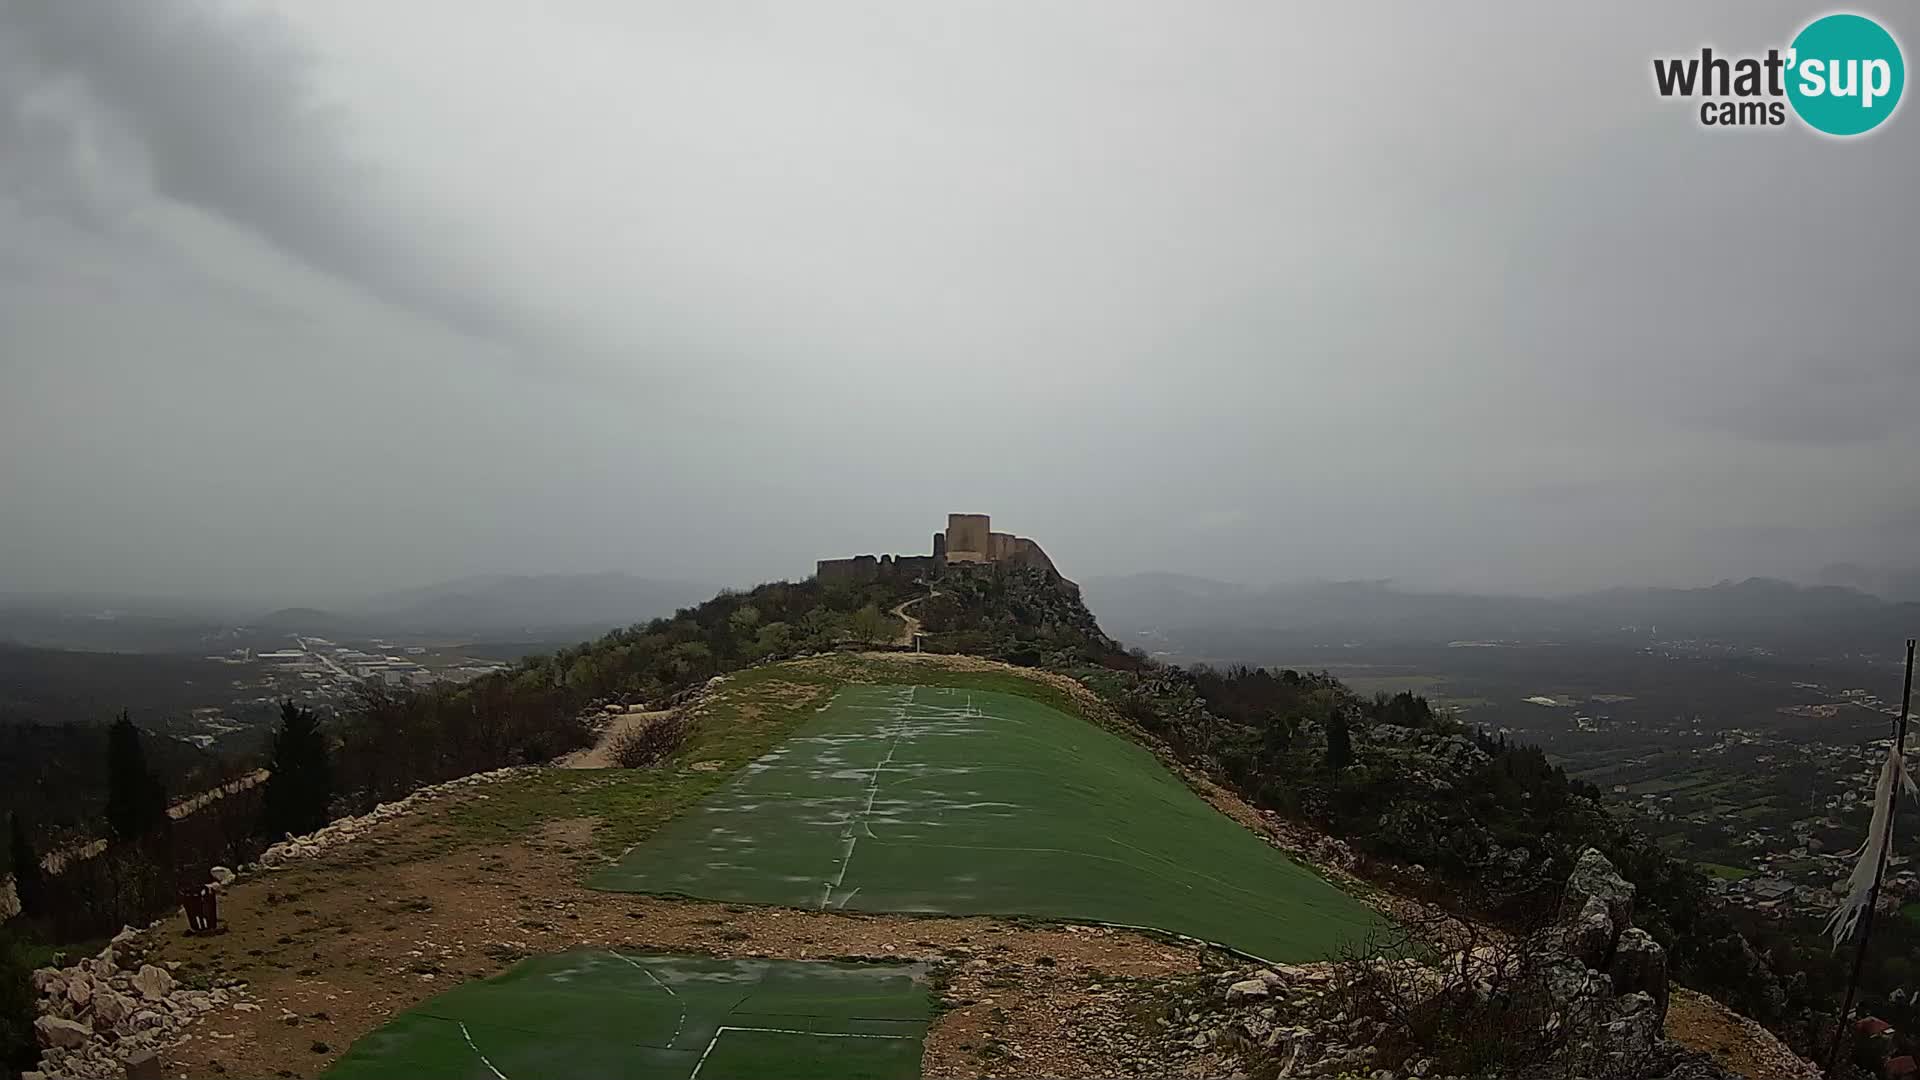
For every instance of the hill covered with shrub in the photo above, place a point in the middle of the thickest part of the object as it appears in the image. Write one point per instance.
(1431, 807)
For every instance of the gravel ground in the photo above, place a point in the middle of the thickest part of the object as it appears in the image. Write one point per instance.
(335, 946)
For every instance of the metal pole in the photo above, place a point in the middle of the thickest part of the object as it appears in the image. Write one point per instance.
(1879, 872)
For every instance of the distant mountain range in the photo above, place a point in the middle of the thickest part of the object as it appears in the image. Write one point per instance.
(1828, 618)
(510, 604)
(1886, 582)
(1756, 611)
(526, 608)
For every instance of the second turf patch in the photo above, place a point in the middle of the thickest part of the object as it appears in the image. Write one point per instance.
(591, 1015)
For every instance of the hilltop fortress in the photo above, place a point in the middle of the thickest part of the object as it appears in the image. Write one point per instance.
(968, 541)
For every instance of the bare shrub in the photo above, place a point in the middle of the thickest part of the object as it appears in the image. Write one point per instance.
(1480, 1004)
(643, 747)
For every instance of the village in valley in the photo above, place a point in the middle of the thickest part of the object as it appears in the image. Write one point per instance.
(1774, 812)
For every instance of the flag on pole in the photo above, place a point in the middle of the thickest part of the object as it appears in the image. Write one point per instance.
(1872, 854)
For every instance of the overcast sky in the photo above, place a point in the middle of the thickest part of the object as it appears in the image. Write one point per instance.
(310, 299)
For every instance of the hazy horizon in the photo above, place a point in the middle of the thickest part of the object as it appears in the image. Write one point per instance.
(364, 602)
(305, 301)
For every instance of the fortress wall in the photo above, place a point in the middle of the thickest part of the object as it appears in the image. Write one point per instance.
(1026, 552)
(856, 571)
(863, 569)
(968, 540)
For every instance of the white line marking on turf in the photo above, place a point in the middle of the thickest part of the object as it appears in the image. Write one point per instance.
(873, 789)
(467, 1035)
(694, 1075)
(644, 970)
(648, 972)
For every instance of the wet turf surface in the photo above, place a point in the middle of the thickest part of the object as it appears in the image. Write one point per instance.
(590, 1015)
(925, 799)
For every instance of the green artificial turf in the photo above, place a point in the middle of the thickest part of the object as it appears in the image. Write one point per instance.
(600, 1015)
(957, 801)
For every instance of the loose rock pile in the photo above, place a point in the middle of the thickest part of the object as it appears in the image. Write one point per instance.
(96, 1015)
(1308, 844)
(104, 1011)
(1264, 1015)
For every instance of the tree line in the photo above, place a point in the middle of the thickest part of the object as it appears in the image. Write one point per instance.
(384, 743)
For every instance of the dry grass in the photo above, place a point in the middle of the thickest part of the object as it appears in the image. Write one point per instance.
(347, 940)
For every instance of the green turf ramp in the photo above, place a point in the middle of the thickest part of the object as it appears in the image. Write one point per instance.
(955, 801)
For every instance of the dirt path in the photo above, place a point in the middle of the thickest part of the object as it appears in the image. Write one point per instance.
(909, 626)
(600, 754)
(1699, 1022)
(334, 948)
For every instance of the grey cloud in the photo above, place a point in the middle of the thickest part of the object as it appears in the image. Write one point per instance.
(1446, 295)
(218, 108)
(1825, 401)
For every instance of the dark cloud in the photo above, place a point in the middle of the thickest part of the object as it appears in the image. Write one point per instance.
(218, 109)
(1439, 294)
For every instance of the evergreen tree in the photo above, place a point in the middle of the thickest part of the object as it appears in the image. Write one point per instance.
(28, 884)
(136, 803)
(19, 1049)
(300, 789)
(1339, 741)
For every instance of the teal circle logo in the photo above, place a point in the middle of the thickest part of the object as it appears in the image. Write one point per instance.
(1845, 74)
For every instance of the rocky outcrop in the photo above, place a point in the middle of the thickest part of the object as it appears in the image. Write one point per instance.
(1586, 997)
(1640, 966)
(1596, 907)
(1595, 942)
(106, 1010)
(1606, 980)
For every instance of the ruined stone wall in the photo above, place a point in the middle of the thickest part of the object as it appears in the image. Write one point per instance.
(858, 570)
(915, 566)
(865, 569)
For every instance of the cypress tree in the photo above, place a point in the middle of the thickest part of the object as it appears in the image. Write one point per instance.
(136, 803)
(300, 788)
(1339, 741)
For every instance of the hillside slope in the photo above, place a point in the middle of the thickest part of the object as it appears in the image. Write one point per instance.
(375, 916)
(1430, 807)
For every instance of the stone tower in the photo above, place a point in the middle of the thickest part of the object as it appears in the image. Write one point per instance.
(969, 538)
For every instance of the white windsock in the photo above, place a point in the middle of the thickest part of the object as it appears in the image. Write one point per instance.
(1874, 852)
